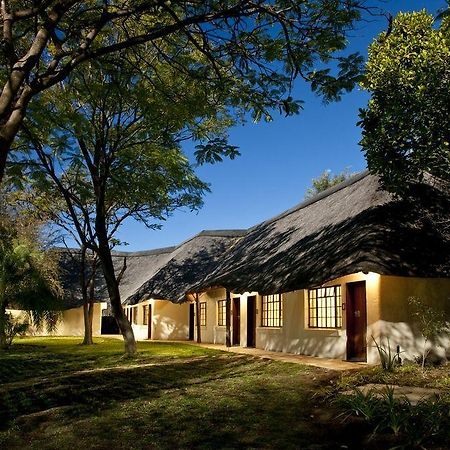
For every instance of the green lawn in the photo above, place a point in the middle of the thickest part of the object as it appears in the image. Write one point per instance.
(57, 394)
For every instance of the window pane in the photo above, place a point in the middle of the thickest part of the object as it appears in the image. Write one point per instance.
(325, 307)
(221, 312)
(272, 311)
(203, 314)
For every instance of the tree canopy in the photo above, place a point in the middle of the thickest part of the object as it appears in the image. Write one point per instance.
(406, 125)
(326, 180)
(28, 273)
(263, 45)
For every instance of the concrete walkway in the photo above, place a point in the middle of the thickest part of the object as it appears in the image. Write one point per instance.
(325, 363)
(413, 394)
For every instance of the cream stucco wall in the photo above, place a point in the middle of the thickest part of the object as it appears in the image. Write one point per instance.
(295, 336)
(211, 333)
(396, 319)
(388, 315)
(168, 321)
(71, 322)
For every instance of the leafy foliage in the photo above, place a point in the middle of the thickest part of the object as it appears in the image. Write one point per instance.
(244, 53)
(405, 126)
(431, 322)
(413, 426)
(28, 274)
(325, 181)
(388, 359)
(14, 327)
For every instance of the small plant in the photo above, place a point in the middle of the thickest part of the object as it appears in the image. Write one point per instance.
(412, 426)
(13, 328)
(360, 404)
(431, 323)
(396, 411)
(389, 360)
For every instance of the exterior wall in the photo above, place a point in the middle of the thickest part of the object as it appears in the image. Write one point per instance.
(295, 336)
(211, 333)
(388, 315)
(71, 322)
(396, 315)
(168, 321)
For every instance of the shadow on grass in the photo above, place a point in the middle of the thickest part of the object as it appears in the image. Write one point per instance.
(96, 389)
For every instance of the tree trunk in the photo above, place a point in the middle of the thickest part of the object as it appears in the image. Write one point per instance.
(105, 257)
(4, 149)
(87, 325)
(3, 341)
(228, 319)
(197, 321)
(88, 306)
(10, 124)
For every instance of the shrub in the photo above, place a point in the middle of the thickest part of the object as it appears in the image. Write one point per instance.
(431, 323)
(389, 360)
(13, 328)
(412, 425)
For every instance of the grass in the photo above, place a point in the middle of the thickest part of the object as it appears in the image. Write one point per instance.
(57, 394)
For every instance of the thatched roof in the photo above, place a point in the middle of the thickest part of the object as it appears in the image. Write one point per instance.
(354, 226)
(140, 267)
(188, 265)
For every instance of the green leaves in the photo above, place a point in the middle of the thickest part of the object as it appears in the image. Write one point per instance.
(405, 127)
(214, 151)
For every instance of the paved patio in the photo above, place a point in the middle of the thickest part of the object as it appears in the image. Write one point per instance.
(325, 363)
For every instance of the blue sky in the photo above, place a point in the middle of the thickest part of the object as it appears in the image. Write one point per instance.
(279, 159)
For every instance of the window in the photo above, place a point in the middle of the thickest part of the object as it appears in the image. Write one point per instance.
(272, 311)
(145, 314)
(325, 307)
(134, 315)
(222, 313)
(202, 306)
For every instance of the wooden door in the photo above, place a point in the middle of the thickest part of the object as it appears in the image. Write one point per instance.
(251, 321)
(191, 321)
(356, 306)
(149, 322)
(237, 321)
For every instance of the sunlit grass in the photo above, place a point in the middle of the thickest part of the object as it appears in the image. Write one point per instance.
(58, 394)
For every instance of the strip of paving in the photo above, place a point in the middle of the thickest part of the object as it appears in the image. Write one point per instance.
(413, 394)
(324, 363)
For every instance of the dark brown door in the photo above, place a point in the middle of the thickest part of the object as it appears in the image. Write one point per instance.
(251, 321)
(149, 322)
(236, 321)
(191, 321)
(356, 321)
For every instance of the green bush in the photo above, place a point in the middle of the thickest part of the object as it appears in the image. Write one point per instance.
(428, 422)
(389, 360)
(14, 327)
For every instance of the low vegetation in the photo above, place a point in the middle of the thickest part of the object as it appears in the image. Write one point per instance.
(58, 394)
(409, 374)
(397, 421)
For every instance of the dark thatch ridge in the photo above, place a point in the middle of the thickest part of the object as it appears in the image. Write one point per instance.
(354, 226)
(187, 266)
